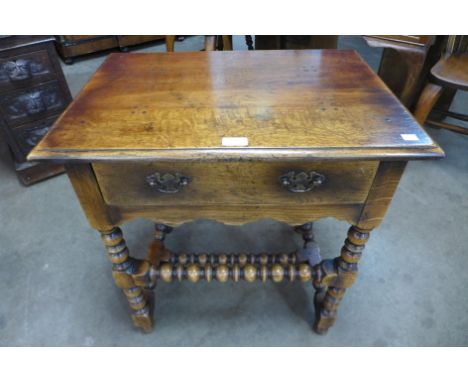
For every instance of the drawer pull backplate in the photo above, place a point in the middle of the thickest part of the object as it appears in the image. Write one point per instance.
(169, 183)
(301, 181)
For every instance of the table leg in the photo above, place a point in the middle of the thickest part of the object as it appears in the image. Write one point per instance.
(131, 275)
(328, 297)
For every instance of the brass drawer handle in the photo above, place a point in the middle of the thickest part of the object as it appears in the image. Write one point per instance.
(301, 181)
(169, 183)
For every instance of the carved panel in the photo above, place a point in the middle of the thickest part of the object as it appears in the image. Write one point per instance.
(20, 106)
(25, 67)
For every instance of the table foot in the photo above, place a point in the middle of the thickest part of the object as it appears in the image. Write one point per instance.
(333, 277)
(326, 312)
(143, 318)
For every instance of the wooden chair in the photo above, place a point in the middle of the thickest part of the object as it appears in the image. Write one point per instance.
(211, 42)
(450, 72)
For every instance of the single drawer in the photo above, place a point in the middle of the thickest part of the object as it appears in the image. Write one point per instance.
(27, 136)
(29, 104)
(25, 69)
(228, 183)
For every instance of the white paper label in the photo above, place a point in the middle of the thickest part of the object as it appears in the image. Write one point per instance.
(410, 137)
(235, 141)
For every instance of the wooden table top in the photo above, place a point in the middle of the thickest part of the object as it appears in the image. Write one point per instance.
(288, 104)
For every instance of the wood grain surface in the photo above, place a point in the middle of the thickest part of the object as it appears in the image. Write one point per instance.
(323, 104)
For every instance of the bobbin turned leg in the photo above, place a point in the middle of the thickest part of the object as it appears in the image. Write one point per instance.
(307, 231)
(310, 252)
(335, 276)
(156, 251)
(131, 275)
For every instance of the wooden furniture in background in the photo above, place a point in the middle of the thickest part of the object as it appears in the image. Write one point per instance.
(211, 43)
(126, 41)
(272, 42)
(71, 46)
(406, 62)
(450, 72)
(235, 136)
(265, 42)
(33, 93)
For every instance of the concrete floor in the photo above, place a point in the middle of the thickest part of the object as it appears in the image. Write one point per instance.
(56, 288)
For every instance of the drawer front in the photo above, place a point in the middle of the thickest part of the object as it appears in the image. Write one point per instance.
(28, 136)
(230, 183)
(25, 69)
(29, 104)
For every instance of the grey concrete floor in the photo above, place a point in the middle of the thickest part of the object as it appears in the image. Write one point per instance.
(56, 288)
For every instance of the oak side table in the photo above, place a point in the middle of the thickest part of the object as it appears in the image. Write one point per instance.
(235, 137)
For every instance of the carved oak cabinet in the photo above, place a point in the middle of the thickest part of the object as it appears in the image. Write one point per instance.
(33, 92)
(235, 136)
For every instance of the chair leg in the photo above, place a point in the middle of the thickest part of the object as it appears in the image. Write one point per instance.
(249, 42)
(170, 40)
(426, 101)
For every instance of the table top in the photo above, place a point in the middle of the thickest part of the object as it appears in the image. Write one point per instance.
(283, 104)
